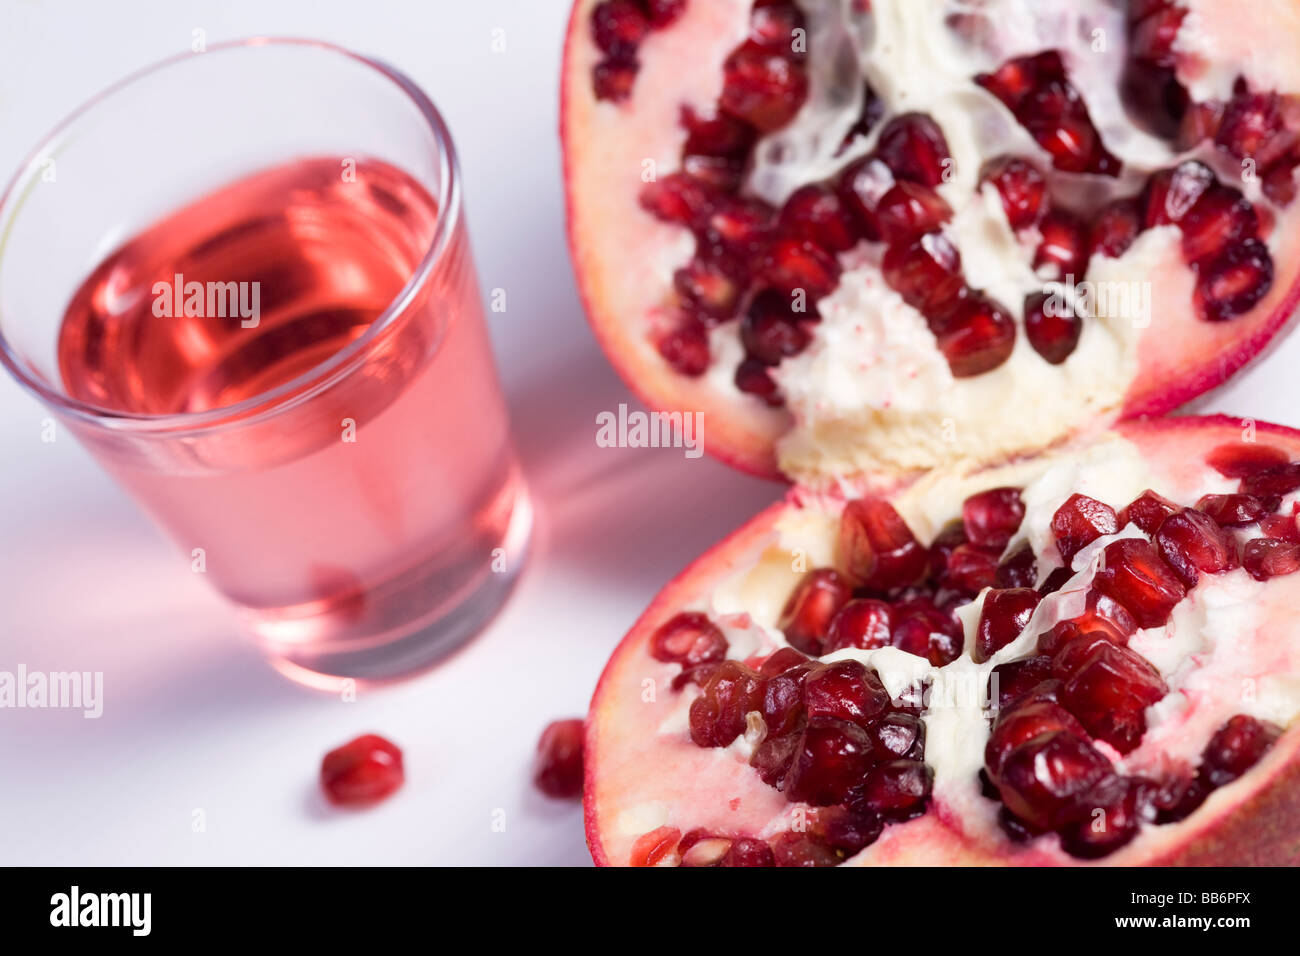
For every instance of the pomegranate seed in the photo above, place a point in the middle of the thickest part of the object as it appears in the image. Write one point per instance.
(1177, 798)
(1056, 117)
(748, 852)
(1273, 482)
(1243, 459)
(737, 228)
(831, 759)
(1235, 282)
(717, 716)
(802, 849)
(771, 338)
(781, 661)
(1032, 717)
(1236, 747)
(1232, 511)
(773, 27)
(716, 148)
(1053, 336)
(1004, 615)
(1019, 570)
(1268, 558)
(991, 517)
(1154, 98)
(847, 831)
(613, 79)
(1021, 187)
(1281, 526)
(897, 789)
(1110, 693)
(1221, 217)
(783, 710)
(755, 378)
(913, 146)
(1092, 836)
(845, 690)
(1044, 779)
(1147, 510)
(921, 628)
(664, 12)
(1054, 581)
(1171, 193)
(897, 736)
(949, 538)
(909, 209)
(1014, 80)
(1079, 522)
(677, 199)
(1191, 543)
(654, 847)
(794, 264)
(618, 27)
(772, 758)
(686, 348)
(1077, 647)
(1200, 122)
(707, 291)
(1106, 613)
(976, 337)
(699, 848)
(369, 768)
(864, 623)
(1137, 578)
(1012, 681)
(1278, 182)
(816, 214)
(861, 187)
(926, 272)
(876, 547)
(1252, 126)
(1153, 33)
(1116, 228)
(1063, 250)
(762, 88)
(688, 638)
(811, 608)
(558, 769)
(970, 570)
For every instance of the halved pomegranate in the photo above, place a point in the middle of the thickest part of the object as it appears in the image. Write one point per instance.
(836, 684)
(856, 235)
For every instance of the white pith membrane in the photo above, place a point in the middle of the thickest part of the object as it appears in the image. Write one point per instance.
(1231, 647)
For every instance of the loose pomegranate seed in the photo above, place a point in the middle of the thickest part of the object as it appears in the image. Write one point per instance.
(763, 88)
(795, 264)
(1232, 511)
(1032, 717)
(686, 348)
(772, 758)
(773, 27)
(1171, 193)
(897, 789)
(1243, 459)
(1116, 228)
(708, 291)
(1191, 543)
(1147, 510)
(1052, 327)
(1268, 558)
(664, 12)
(650, 849)
(845, 690)
(1272, 483)
(976, 337)
(369, 768)
(831, 759)
(1045, 779)
(803, 849)
(861, 187)
(970, 570)
(771, 338)
(1094, 836)
(1221, 217)
(1110, 693)
(864, 623)
(717, 716)
(748, 852)
(876, 547)
(1079, 522)
(678, 199)
(1063, 250)
(1021, 187)
(1236, 747)
(913, 146)
(755, 378)
(909, 209)
(1004, 615)
(1234, 282)
(716, 148)
(1137, 577)
(1012, 681)
(618, 27)
(816, 214)
(1019, 570)
(926, 272)
(688, 638)
(847, 831)
(613, 79)
(921, 628)
(991, 517)
(897, 736)
(811, 608)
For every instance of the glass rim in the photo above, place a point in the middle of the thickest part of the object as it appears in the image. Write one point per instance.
(315, 379)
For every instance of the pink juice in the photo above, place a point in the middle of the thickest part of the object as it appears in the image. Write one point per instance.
(347, 508)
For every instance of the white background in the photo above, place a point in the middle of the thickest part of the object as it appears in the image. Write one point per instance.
(193, 717)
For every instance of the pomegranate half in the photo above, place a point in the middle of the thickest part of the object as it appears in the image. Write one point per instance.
(1091, 654)
(869, 236)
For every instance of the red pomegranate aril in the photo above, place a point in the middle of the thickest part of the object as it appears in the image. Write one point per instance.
(717, 716)
(949, 538)
(700, 848)
(1273, 483)
(780, 661)
(1051, 326)
(921, 628)
(909, 209)
(1283, 527)
(1004, 615)
(847, 831)
(1120, 802)
(755, 378)
(783, 710)
(876, 547)
(970, 570)
(803, 849)
(688, 638)
(1178, 797)
(1079, 522)
(1235, 282)
(369, 768)
(686, 348)
(773, 27)
(926, 272)
(897, 789)
(1054, 581)
(1193, 543)
(716, 148)
(1154, 98)
(1236, 747)
(1171, 193)
(613, 79)
(1012, 681)
(650, 849)
(1075, 646)
(913, 146)
(1055, 116)
(1018, 570)
(1154, 30)
(1252, 126)
(770, 339)
(772, 758)
(664, 12)
(678, 199)
(1043, 781)
(1221, 217)
(748, 852)
(1233, 511)
(1026, 720)
(897, 736)
(1021, 187)
(618, 27)
(1243, 459)
(1137, 577)
(808, 613)
(831, 759)
(1105, 613)
(1110, 693)
(1115, 228)
(1147, 510)
(976, 337)
(763, 88)
(1013, 81)
(991, 517)
(707, 290)
(737, 228)
(1279, 181)
(1063, 250)
(816, 214)
(860, 188)
(1266, 558)
(845, 690)
(864, 623)
(795, 264)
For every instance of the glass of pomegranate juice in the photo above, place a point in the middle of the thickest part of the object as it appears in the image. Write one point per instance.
(242, 279)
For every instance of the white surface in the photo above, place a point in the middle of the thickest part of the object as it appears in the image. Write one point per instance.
(193, 717)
